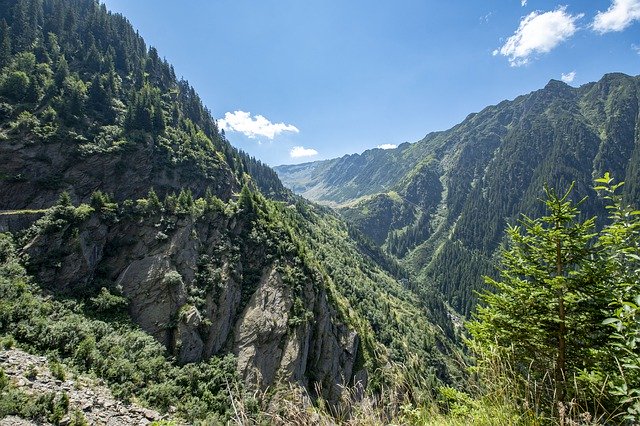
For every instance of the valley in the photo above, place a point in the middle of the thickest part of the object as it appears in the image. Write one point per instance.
(485, 274)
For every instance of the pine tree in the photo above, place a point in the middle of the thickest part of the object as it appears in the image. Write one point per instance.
(98, 98)
(619, 258)
(155, 206)
(62, 71)
(5, 44)
(546, 309)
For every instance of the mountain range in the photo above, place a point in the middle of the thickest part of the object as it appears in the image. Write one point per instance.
(129, 208)
(140, 247)
(441, 205)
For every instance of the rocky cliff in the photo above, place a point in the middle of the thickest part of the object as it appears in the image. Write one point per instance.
(205, 284)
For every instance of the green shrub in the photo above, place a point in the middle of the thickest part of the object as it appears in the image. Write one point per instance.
(57, 371)
(105, 301)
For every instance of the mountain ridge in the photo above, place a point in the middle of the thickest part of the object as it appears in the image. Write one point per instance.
(175, 263)
(463, 185)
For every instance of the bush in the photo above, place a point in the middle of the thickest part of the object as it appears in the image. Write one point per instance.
(105, 301)
(57, 371)
(15, 86)
(26, 122)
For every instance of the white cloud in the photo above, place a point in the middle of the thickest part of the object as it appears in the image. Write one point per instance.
(523, 3)
(619, 16)
(539, 33)
(300, 151)
(387, 146)
(485, 19)
(636, 48)
(568, 77)
(243, 122)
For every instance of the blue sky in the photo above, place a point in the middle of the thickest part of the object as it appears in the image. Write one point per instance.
(294, 81)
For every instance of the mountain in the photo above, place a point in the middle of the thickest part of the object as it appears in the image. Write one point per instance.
(87, 106)
(146, 250)
(441, 205)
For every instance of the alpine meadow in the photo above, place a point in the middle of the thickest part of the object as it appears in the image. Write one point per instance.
(156, 270)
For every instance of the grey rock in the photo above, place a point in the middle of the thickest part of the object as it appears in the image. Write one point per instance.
(261, 330)
(190, 342)
(95, 401)
(252, 320)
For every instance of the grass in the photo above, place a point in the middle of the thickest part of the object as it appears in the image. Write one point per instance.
(498, 395)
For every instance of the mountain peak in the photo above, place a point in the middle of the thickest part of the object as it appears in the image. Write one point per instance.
(556, 85)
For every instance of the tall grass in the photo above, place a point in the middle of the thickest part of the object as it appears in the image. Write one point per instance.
(497, 393)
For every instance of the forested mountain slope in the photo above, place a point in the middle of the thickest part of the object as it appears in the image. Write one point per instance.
(152, 221)
(86, 106)
(441, 204)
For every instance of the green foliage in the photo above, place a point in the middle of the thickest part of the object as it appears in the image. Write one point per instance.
(71, 102)
(31, 372)
(77, 418)
(26, 122)
(173, 279)
(388, 317)
(47, 407)
(97, 90)
(145, 111)
(57, 370)
(131, 362)
(4, 380)
(379, 215)
(559, 282)
(5, 44)
(471, 181)
(15, 86)
(543, 304)
(619, 242)
(105, 301)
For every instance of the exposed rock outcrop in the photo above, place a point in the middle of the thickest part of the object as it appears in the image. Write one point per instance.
(203, 287)
(38, 173)
(13, 221)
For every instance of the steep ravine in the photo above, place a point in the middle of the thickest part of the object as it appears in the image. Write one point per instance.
(206, 286)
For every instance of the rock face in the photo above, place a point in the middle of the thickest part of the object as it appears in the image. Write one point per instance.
(37, 173)
(261, 332)
(17, 221)
(95, 402)
(205, 287)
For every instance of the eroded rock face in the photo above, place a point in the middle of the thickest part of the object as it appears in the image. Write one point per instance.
(202, 288)
(81, 256)
(320, 351)
(261, 331)
(190, 345)
(154, 297)
(222, 310)
(42, 171)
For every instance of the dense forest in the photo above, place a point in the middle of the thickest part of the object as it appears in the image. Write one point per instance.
(148, 252)
(140, 249)
(440, 206)
(79, 78)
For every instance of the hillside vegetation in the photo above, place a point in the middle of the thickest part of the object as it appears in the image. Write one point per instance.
(147, 253)
(441, 205)
(169, 264)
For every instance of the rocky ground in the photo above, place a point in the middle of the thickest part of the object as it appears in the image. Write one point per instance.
(93, 400)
